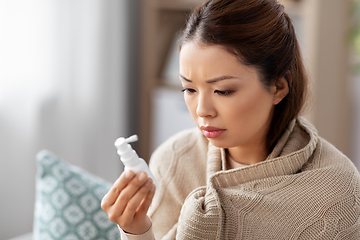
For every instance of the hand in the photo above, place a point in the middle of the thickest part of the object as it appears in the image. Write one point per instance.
(128, 201)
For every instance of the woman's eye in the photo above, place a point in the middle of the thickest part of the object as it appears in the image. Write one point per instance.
(188, 90)
(223, 93)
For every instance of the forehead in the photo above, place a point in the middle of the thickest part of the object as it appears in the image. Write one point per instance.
(209, 61)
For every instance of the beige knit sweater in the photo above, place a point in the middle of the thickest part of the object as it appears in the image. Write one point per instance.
(305, 189)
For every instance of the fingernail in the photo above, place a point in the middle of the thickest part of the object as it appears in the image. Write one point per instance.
(153, 188)
(142, 176)
(148, 182)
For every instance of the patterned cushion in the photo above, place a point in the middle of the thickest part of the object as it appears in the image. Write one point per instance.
(67, 205)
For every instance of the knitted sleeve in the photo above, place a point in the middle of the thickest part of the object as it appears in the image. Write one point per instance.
(200, 216)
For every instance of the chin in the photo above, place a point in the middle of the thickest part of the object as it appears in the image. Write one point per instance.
(219, 143)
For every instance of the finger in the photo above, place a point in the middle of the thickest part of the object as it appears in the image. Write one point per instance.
(144, 206)
(136, 201)
(110, 198)
(128, 193)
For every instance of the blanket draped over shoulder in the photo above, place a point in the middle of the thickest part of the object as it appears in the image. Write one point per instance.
(306, 193)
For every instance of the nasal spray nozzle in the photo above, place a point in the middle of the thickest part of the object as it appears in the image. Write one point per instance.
(129, 157)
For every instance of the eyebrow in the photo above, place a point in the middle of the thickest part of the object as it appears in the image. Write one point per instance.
(210, 80)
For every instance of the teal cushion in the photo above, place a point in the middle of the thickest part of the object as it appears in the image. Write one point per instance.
(67, 205)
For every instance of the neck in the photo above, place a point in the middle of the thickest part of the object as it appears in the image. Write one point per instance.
(238, 156)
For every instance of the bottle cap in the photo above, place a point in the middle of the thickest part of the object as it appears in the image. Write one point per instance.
(127, 155)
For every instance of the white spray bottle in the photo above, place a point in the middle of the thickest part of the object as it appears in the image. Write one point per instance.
(129, 157)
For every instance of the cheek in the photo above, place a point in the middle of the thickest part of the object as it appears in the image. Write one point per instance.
(254, 109)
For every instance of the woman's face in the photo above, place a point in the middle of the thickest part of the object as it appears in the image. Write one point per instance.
(225, 97)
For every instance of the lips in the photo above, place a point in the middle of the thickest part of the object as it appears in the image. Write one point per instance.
(212, 132)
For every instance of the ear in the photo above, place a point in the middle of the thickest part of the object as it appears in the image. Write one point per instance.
(281, 89)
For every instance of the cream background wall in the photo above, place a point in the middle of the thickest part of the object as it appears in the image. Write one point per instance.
(63, 86)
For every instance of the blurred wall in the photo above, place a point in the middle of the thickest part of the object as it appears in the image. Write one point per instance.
(64, 82)
(327, 25)
(355, 110)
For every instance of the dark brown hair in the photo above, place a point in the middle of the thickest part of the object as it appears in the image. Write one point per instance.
(261, 35)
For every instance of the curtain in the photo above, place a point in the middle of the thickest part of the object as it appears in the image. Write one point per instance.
(63, 87)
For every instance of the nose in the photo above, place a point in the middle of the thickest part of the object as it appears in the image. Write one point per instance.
(205, 107)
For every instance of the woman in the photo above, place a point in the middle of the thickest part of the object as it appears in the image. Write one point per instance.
(256, 169)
